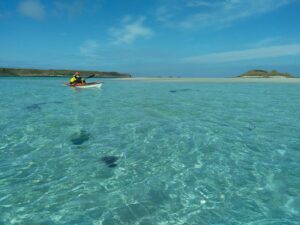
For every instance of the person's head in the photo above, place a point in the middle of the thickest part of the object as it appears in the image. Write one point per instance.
(77, 74)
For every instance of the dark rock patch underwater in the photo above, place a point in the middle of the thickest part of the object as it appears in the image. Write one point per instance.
(79, 138)
(37, 106)
(180, 90)
(110, 161)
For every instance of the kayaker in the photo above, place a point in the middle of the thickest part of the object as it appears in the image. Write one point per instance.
(77, 79)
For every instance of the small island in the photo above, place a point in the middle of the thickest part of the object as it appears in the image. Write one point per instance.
(265, 74)
(58, 73)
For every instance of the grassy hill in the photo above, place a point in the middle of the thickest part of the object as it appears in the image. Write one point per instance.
(58, 73)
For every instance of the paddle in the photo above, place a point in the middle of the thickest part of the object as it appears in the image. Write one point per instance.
(84, 78)
(89, 76)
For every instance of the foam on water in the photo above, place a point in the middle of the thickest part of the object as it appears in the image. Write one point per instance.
(186, 153)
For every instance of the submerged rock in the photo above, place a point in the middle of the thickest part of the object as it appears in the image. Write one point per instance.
(57, 102)
(110, 160)
(251, 126)
(112, 165)
(34, 107)
(37, 106)
(179, 90)
(79, 138)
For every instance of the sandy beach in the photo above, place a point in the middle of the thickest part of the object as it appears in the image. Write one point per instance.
(213, 80)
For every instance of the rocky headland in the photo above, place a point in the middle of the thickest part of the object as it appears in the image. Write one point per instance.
(265, 74)
(58, 73)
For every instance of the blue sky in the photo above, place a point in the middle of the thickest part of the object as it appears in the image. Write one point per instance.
(152, 37)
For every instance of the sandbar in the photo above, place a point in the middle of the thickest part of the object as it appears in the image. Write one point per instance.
(212, 80)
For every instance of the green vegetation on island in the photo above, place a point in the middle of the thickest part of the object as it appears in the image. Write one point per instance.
(265, 74)
(58, 73)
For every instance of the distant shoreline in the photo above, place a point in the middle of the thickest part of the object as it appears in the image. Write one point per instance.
(25, 72)
(63, 76)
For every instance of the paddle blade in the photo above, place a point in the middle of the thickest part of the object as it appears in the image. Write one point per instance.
(91, 76)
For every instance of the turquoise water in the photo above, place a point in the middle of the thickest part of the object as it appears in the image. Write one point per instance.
(185, 153)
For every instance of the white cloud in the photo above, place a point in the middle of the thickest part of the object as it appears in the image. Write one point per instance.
(32, 8)
(75, 8)
(248, 54)
(90, 48)
(274, 40)
(195, 14)
(130, 30)
(200, 3)
(166, 14)
(72, 9)
(265, 42)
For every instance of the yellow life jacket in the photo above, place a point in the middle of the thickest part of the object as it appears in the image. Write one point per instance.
(73, 79)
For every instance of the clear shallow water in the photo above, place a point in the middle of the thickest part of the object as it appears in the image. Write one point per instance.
(188, 153)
